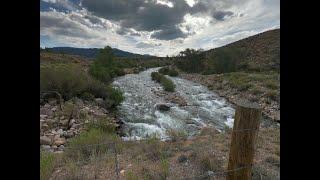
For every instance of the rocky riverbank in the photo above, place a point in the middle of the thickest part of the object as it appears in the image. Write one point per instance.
(58, 126)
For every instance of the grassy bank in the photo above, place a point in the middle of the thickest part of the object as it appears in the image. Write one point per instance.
(166, 83)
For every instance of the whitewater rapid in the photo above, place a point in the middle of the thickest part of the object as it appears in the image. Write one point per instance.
(142, 119)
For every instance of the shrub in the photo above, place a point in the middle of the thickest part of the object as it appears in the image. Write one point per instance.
(67, 79)
(114, 97)
(164, 71)
(155, 76)
(167, 84)
(84, 146)
(47, 164)
(70, 81)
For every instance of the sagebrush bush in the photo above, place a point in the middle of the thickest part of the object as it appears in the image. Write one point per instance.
(70, 81)
(67, 79)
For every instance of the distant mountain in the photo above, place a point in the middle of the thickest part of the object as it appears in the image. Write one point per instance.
(93, 52)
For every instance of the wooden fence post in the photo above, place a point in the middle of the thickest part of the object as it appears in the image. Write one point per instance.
(244, 133)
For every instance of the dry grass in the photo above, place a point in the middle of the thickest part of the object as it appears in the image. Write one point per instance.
(182, 158)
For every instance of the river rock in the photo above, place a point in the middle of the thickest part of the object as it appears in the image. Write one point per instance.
(52, 102)
(60, 132)
(64, 122)
(69, 134)
(59, 141)
(44, 140)
(99, 101)
(61, 148)
(45, 147)
(71, 123)
(43, 116)
(76, 126)
(163, 107)
(45, 127)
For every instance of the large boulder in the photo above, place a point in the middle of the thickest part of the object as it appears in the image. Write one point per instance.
(163, 107)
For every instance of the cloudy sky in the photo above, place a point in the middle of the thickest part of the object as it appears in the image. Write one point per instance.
(156, 27)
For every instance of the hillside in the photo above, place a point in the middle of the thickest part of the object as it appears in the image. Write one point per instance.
(246, 69)
(262, 51)
(92, 52)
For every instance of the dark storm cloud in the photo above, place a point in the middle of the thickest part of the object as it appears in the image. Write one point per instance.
(220, 15)
(169, 34)
(143, 15)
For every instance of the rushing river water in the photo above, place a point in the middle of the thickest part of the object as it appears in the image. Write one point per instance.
(142, 119)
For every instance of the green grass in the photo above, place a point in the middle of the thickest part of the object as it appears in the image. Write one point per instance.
(166, 83)
(253, 81)
(47, 164)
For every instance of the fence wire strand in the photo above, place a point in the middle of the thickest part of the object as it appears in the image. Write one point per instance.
(209, 174)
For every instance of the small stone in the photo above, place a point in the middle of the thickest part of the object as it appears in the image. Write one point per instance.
(47, 106)
(122, 171)
(59, 141)
(45, 126)
(56, 137)
(62, 118)
(58, 152)
(43, 116)
(53, 102)
(44, 140)
(54, 109)
(61, 148)
(182, 158)
(60, 132)
(54, 147)
(69, 135)
(71, 123)
(99, 101)
(45, 147)
(64, 122)
(163, 107)
(76, 126)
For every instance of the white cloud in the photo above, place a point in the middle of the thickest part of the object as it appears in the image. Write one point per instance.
(165, 2)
